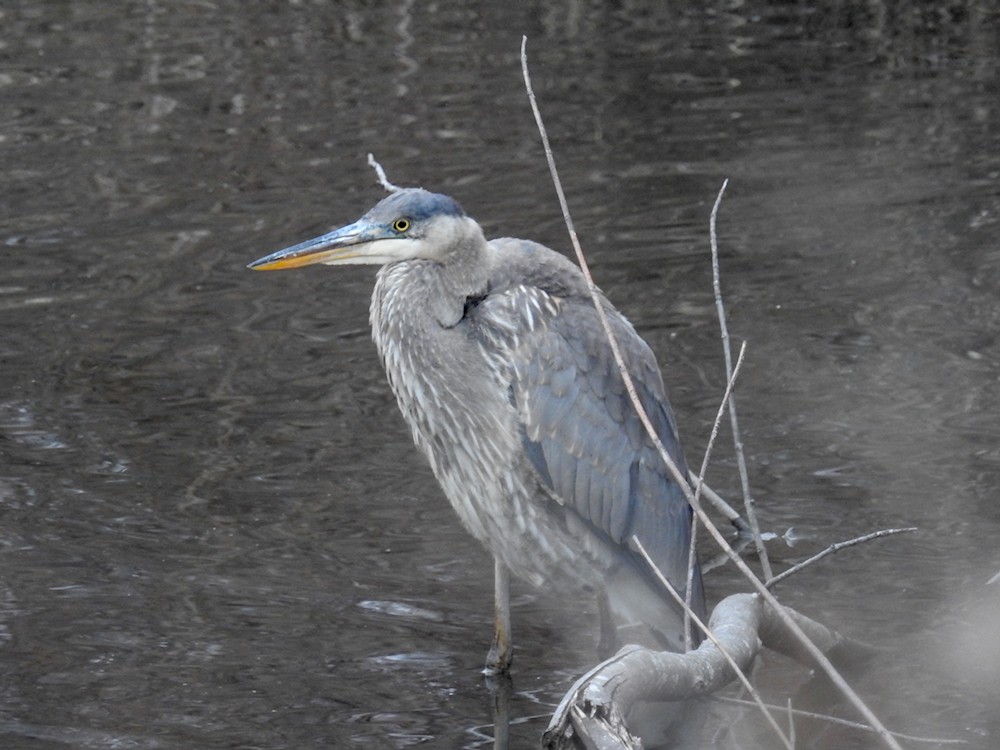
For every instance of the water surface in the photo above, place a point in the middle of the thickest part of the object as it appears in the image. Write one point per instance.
(214, 530)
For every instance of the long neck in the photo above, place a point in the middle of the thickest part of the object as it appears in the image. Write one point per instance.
(439, 286)
(415, 308)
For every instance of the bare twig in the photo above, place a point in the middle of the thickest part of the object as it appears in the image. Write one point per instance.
(722, 649)
(835, 547)
(726, 399)
(821, 660)
(698, 485)
(380, 173)
(842, 722)
(593, 710)
(595, 293)
(741, 462)
(689, 582)
(720, 504)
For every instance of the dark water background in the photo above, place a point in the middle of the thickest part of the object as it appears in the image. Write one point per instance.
(214, 531)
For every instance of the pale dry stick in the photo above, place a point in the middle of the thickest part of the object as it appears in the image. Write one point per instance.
(835, 547)
(689, 582)
(726, 399)
(842, 722)
(711, 636)
(699, 483)
(594, 292)
(720, 504)
(675, 473)
(741, 461)
(821, 660)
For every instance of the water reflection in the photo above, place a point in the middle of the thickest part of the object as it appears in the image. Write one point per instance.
(214, 531)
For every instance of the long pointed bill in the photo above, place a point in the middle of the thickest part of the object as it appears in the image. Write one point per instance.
(341, 245)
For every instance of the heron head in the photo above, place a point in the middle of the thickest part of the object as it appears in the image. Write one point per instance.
(409, 224)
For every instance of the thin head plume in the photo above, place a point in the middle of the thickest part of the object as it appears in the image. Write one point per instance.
(380, 173)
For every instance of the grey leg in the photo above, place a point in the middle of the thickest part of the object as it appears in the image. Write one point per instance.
(502, 651)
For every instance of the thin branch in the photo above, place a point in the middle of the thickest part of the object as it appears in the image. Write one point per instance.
(842, 722)
(835, 547)
(711, 636)
(821, 660)
(720, 504)
(380, 173)
(741, 462)
(726, 399)
(699, 484)
(595, 293)
(689, 582)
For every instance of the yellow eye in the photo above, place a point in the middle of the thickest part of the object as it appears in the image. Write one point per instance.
(401, 225)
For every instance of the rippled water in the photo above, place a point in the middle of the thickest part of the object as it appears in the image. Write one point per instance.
(214, 531)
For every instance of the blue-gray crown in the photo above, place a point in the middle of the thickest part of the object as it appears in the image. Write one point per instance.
(415, 204)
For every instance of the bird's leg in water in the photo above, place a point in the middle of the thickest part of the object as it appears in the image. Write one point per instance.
(500, 687)
(502, 651)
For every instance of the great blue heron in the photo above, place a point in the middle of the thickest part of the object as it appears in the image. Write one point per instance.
(500, 366)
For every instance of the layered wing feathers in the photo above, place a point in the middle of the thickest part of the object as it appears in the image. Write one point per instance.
(579, 429)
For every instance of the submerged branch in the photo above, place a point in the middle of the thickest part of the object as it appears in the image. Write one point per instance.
(835, 547)
(598, 702)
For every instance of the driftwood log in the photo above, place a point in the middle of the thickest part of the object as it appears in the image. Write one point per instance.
(592, 714)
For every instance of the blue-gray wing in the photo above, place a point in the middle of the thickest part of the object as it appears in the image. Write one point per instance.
(580, 430)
